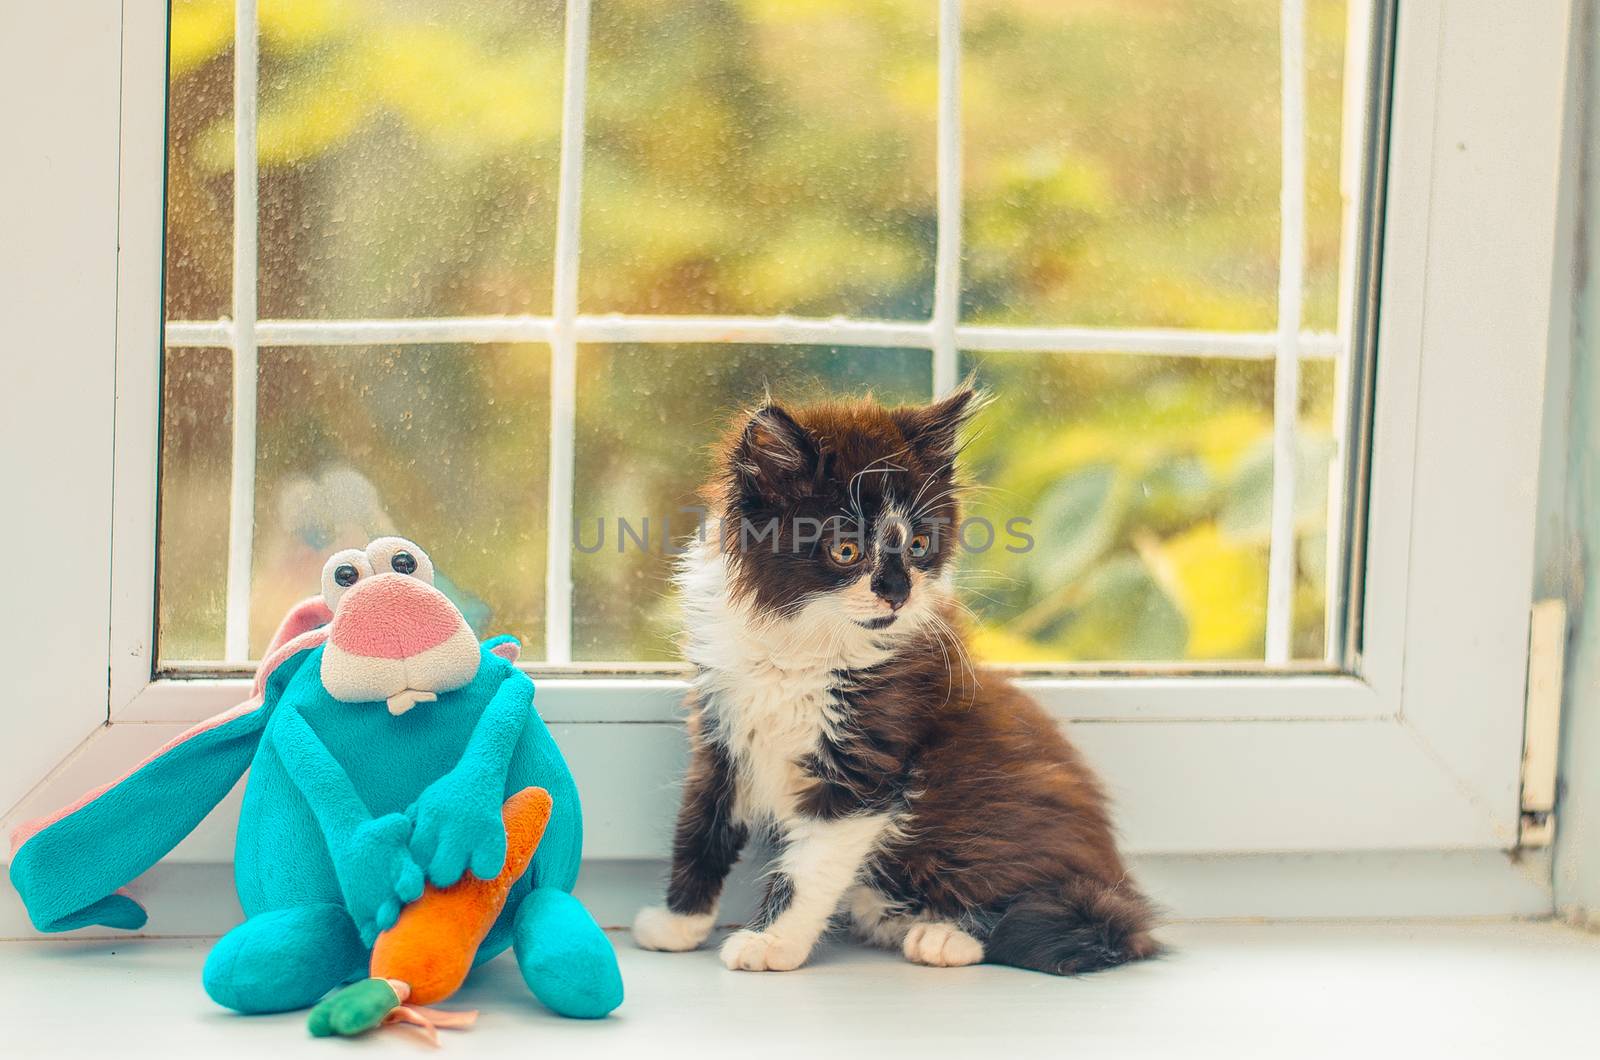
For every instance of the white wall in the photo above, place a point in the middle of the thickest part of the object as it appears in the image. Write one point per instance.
(59, 122)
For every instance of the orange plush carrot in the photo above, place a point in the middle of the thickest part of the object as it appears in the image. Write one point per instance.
(432, 945)
(428, 952)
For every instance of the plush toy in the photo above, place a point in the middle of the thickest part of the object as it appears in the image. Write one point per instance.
(381, 740)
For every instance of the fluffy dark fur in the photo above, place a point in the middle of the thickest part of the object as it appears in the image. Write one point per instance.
(994, 822)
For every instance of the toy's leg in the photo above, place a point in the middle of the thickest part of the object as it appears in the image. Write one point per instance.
(284, 959)
(566, 959)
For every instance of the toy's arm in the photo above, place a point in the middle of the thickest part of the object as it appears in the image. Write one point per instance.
(319, 776)
(370, 856)
(456, 820)
(488, 753)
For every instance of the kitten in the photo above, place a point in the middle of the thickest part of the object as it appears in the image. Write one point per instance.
(941, 811)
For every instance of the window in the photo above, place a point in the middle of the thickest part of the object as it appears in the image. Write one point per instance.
(392, 310)
(1383, 713)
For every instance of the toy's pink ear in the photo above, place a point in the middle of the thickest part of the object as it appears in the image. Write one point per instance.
(307, 615)
(508, 649)
(309, 639)
(305, 626)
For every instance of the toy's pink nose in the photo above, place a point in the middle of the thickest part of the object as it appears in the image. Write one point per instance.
(392, 616)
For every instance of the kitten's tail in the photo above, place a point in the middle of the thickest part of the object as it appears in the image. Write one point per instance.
(1085, 926)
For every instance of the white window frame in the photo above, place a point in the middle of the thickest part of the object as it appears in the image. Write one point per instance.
(1416, 748)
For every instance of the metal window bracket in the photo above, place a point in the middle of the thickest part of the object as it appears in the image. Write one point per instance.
(1547, 644)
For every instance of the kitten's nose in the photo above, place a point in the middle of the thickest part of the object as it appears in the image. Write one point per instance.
(891, 584)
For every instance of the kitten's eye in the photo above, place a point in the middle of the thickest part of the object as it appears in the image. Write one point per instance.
(844, 553)
(919, 546)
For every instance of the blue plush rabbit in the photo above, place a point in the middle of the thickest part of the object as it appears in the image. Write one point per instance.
(381, 740)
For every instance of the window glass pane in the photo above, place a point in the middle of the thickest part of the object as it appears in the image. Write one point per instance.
(1319, 482)
(408, 157)
(1120, 168)
(445, 445)
(196, 432)
(647, 417)
(1146, 483)
(1122, 161)
(1325, 71)
(755, 156)
(199, 248)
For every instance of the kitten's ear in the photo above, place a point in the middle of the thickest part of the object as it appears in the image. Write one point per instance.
(774, 455)
(934, 430)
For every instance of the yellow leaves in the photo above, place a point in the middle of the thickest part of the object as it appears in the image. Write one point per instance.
(1220, 585)
(1186, 303)
(693, 227)
(804, 263)
(992, 644)
(307, 126)
(915, 86)
(1219, 437)
(454, 91)
(468, 96)
(201, 30)
(1154, 565)
(787, 12)
(800, 12)
(296, 24)
(1037, 202)
(1326, 21)
(1062, 179)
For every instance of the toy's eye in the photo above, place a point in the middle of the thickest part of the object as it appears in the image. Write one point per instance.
(343, 570)
(919, 546)
(400, 556)
(844, 553)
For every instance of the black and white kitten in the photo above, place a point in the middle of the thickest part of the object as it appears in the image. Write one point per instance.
(944, 815)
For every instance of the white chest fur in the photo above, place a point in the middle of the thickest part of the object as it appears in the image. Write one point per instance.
(768, 682)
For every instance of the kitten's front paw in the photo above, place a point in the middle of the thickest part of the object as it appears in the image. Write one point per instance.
(761, 951)
(659, 928)
(941, 945)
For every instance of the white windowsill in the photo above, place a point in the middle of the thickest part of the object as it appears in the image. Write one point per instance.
(196, 898)
(1104, 695)
(1459, 989)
